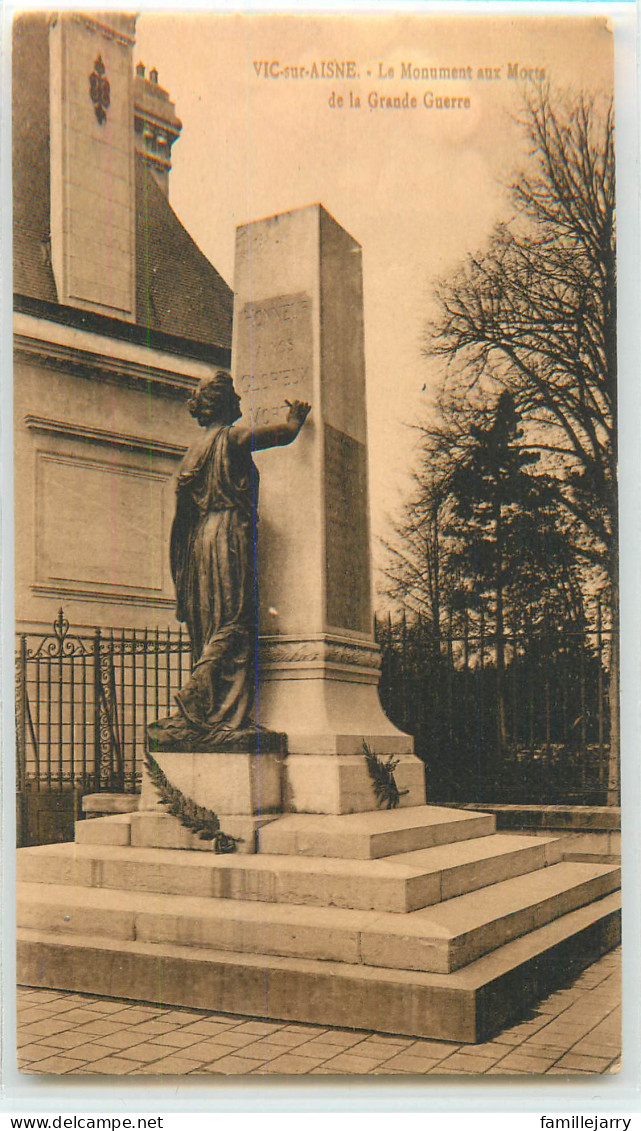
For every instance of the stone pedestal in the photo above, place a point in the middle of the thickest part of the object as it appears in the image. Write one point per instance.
(316, 783)
(244, 790)
(234, 783)
(298, 334)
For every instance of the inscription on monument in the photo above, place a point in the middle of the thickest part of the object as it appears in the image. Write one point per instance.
(346, 532)
(275, 345)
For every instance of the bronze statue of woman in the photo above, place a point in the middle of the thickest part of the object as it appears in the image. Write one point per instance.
(213, 553)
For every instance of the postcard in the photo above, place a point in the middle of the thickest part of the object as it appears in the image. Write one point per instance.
(316, 532)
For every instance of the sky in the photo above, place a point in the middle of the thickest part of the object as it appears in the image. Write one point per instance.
(418, 188)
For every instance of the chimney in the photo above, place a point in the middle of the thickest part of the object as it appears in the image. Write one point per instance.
(92, 199)
(156, 124)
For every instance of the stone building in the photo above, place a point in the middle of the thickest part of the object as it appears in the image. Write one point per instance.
(117, 315)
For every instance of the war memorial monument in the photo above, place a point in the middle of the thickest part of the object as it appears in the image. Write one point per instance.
(284, 861)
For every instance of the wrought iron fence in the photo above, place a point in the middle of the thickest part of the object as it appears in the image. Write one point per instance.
(537, 730)
(83, 702)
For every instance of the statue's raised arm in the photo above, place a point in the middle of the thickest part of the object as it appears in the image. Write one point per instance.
(273, 435)
(212, 562)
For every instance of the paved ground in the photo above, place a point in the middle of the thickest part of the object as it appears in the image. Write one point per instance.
(575, 1030)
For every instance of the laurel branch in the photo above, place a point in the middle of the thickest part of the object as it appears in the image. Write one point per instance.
(199, 820)
(382, 775)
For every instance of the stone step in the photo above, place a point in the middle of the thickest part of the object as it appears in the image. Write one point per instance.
(360, 836)
(438, 939)
(400, 883)
(159, 830)
(468, 1005)
(369, 836)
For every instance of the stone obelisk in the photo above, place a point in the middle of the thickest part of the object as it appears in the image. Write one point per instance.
(298, 334)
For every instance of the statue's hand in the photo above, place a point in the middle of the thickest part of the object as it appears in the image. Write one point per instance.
(298, 412)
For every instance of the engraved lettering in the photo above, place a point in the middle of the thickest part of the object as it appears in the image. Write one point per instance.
(275, 343)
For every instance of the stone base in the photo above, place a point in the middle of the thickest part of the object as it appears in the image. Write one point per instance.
(316, 783)
(238, 784)
(418, 920)
(329, 716)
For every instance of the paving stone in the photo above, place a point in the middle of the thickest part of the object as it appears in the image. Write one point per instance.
(46, 1028)
(168, 1066)
(360, 1065)
(434, 1047)
(80, 1014)
(155, 1028)
(383, 1070)
(41, 995)
(296, 1028)
(208, 1028)
(32, 1014)
(511, 1037)
(443, 1070)
(183, 1016)
(125, 1039)
(287, 1065)
(68, 1039)
(551, 1051)
(370, 1046)
(385, 1039)
(36, 1052)
(100, 1028)
(555, 1071)
(235, 1038)
(340, 1038)
(142, 1052)
(81, 999)
(111, 1066)
(205, 1051)
(289, 1040)
(131, 1015)
(318, 1049)
(260, 1028)
(232, 1065)
(264, 1049)
(531, 1063)
(592, 1047)
(90, 1053)
(547, 1039)
(586, 1063)
(475, 1064)
(496, 1070)
(179, 1038)
(208, 1033)
(118, 1007)
(55, 1064)
(405, 1062)
(551, 1009)
(489, 1053)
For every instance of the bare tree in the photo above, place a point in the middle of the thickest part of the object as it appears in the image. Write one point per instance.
(535, 313)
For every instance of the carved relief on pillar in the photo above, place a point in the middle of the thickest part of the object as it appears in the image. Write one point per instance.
(312, 657)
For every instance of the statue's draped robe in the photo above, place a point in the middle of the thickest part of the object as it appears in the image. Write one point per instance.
(212, 563)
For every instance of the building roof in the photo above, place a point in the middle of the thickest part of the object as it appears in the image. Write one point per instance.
(178, 291)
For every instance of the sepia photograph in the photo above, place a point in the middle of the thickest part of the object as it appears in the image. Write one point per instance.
(317, 664)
